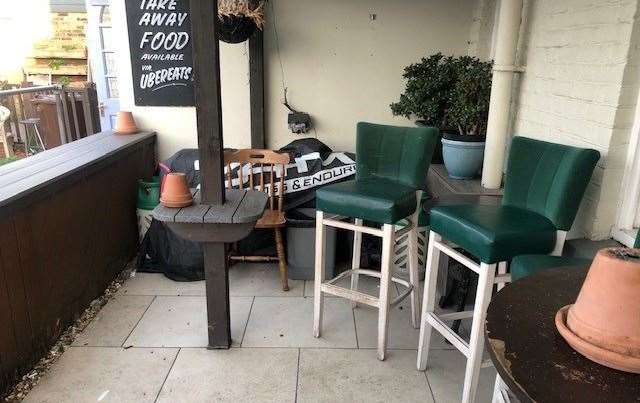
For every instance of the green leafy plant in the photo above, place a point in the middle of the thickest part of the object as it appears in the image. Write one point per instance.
(469, 107)
(427, 93)
(64, 81)
(55, 64)
(447, 91)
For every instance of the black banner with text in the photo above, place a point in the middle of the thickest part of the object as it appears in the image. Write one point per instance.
(161, 56)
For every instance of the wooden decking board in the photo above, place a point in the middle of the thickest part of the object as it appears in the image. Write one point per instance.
(98, 152)
(194, 213)
(33, 168)
(225, 214)
(240, 207)
(251, 208)
(52, 153)
(438, 176)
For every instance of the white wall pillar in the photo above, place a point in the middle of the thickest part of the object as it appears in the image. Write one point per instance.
(498, 124)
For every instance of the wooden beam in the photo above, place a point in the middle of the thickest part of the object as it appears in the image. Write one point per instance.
(217, 286)
(206, 66)
(256, 89)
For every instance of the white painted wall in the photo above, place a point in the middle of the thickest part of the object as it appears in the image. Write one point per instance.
(176, 126)
(339, 66)
(342, 67)
(580, 87)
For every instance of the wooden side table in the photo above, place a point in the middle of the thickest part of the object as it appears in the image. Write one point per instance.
(213, 226)
(531, 356)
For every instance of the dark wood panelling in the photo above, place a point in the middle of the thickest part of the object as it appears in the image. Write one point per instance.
(61, 245)
(20, 322)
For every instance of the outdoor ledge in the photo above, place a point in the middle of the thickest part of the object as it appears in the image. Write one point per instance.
(35, 176)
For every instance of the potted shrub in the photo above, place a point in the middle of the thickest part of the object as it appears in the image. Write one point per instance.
(427, 94)
(239, 19)
(468, 111)
(451, 93)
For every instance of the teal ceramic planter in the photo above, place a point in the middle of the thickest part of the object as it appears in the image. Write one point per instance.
(462, 159)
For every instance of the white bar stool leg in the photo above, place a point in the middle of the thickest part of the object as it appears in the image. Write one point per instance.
(500, 394)
(428, 299)
(38, 137)
(414, 277)
(355, 260)
(502, 269)
(318, 298)
(385, 282)
(476, 339)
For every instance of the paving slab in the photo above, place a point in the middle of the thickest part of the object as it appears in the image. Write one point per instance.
(115, 321)
(182, 322)
(105, 374)
(288, 322)
(261, 280)
(235, 375)
(158, 284)
(358, 376)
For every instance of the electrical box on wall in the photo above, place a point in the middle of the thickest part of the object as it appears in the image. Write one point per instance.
(299, 122)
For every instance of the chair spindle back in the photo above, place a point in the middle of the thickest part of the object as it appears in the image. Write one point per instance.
(262, 161)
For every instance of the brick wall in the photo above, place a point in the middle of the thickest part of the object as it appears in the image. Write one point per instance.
(580, 88)
(67, 45)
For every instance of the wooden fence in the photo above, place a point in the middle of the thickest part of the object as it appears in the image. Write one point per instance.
(65, 114)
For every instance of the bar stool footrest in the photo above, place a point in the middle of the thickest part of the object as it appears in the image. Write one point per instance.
(330, 287)
(438, 324)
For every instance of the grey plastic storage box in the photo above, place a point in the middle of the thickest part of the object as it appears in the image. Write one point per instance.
(301, 245)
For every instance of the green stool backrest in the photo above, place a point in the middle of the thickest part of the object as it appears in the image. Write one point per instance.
(401, 154)
(548, 178)
(636, 244)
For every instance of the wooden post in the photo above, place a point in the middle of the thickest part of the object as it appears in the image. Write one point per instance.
(217, 283)
(86, 109)
(65, 113)
(206, 66)
(256, 89)
(61, 126)
(74, 112)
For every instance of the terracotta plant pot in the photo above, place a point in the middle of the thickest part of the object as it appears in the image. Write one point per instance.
(175, 191)
(125, 124)
(604, 323)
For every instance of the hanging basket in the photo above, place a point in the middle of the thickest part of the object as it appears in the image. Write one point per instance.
(235, 29)
(239, 19)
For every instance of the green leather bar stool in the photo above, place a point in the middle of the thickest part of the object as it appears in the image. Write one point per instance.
(391, 171)
(544, 185)
(526, 265)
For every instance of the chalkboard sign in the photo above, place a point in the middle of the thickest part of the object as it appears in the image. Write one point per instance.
(160, 47)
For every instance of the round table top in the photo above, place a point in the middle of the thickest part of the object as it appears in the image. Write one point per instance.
(531, 356)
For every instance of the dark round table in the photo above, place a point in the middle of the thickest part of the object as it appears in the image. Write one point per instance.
(531, 356)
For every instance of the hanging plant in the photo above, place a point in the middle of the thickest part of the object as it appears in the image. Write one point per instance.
(239, 19)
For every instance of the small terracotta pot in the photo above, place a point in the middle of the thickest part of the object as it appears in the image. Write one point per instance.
(125, 124)
(604, 323)
(175, 191)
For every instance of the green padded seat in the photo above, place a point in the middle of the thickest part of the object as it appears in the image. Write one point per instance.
(391, 165)
(526, 265)
(377, 200)
(544, 185)
(494, 233)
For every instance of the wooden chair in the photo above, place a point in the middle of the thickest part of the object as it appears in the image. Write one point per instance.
(259, 170)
